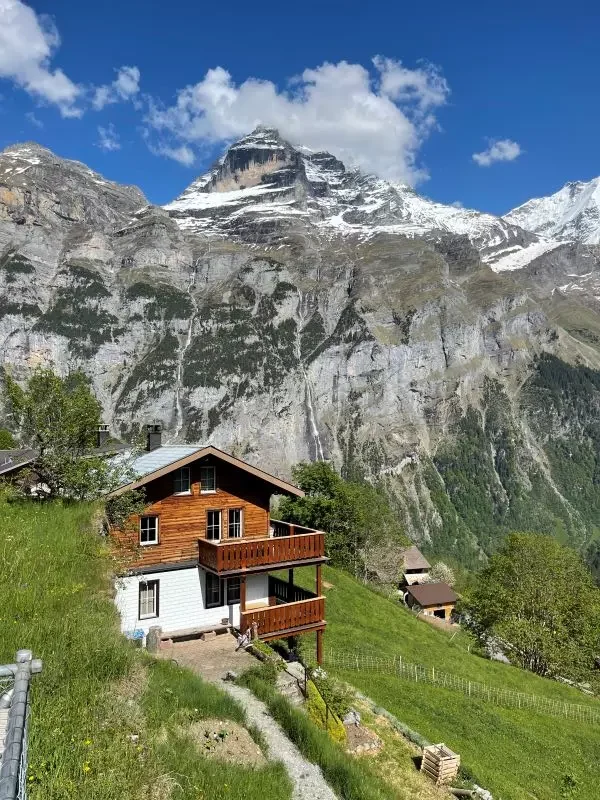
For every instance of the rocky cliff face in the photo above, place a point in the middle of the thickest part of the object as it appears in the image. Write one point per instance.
(285, 308)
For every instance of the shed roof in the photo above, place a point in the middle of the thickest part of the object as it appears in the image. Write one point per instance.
(14, 459)
(414, 559)
(433, 594)
(156, 463)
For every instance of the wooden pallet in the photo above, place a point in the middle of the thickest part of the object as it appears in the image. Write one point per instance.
(440, 763)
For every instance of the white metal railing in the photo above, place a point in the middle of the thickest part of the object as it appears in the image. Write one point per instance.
(15, 680)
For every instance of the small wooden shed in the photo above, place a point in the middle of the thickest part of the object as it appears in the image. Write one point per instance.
(440, 763)
(436, 599)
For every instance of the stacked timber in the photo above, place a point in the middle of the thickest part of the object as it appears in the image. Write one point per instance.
(440, 763)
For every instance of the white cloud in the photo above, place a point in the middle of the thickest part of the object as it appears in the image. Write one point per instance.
(27, 43)
(377, 121)
(180, 153)
(109, 138)
(34, 120)
(498, 150)
(125, 86)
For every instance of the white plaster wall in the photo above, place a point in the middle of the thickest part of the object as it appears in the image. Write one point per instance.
(257, 589)
(181, 602)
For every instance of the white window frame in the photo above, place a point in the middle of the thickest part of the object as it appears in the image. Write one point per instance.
(241, 523)
(214, 472)
(177, 478)
(143, 586)
(156, 540)
(218, 511)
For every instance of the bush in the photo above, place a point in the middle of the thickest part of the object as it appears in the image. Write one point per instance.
(318, 712)
(338, 696)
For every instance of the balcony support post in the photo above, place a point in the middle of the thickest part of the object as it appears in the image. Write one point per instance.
(319, 582)
(242, 594)
(291, 585)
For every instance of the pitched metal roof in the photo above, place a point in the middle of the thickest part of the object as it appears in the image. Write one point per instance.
(148, 463)
(414, 559)
(14, 459)
(433, 594)
(156, 463)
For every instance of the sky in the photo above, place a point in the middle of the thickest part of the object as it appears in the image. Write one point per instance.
(480, 104)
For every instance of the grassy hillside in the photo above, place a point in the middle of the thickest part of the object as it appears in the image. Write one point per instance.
(107, 723)
(518, 755)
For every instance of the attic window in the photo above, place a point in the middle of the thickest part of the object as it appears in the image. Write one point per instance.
(181, 481)
(208, 480)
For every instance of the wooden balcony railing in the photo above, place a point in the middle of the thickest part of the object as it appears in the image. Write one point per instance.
(284, 616)
(241, 554)
(288, 529)
(284, 592)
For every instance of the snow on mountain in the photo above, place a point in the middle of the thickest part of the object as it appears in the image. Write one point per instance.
(571, 214)
(264, 189)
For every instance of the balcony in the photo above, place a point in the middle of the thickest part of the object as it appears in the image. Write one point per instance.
(291, 610)
(290, 545)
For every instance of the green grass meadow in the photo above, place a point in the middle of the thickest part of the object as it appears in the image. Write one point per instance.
(517, 755)
(107, 721)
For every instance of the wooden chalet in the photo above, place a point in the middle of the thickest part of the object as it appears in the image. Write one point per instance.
(205, 546)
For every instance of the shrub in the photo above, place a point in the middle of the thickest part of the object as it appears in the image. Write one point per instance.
(322, 716)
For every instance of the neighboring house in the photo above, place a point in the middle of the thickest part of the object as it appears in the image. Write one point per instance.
(12, 462)
(436, 599)
(205, 545)
(416, 567)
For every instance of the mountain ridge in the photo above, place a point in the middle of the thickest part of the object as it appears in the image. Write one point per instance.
(348, 319)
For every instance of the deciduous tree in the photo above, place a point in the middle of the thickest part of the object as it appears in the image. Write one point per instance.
(58, 417)
(356, 516)
(537, 601)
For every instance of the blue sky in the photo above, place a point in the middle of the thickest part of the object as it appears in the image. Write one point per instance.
(522, 75)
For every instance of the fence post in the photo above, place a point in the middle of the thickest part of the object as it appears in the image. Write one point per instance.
(15, 727)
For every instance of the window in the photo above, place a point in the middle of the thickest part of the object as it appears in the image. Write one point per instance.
(213, 591)
(208, 480)
(148, 530)
(233, 591)
(234, 530)
(213, 525)
(181, 481)
(148, 605)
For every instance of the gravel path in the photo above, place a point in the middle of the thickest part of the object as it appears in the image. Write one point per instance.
(307, 778)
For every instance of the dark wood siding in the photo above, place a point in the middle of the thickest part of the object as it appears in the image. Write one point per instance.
(182, 518)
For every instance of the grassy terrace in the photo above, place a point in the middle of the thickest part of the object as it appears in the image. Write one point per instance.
(518, 755)
(107, 723)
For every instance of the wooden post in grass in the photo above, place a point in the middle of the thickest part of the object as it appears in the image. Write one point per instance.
(319, 647)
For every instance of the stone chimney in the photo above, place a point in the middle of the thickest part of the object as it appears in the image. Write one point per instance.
(153, 436)
(102, 435)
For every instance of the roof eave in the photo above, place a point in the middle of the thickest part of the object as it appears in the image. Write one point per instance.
(282, 487)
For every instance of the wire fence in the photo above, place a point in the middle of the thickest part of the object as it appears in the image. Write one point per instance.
(364, 662)
(15, 681)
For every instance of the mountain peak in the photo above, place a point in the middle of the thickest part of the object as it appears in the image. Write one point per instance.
(570, 214)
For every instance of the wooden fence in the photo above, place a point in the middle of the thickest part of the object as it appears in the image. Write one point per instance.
(364, 662)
